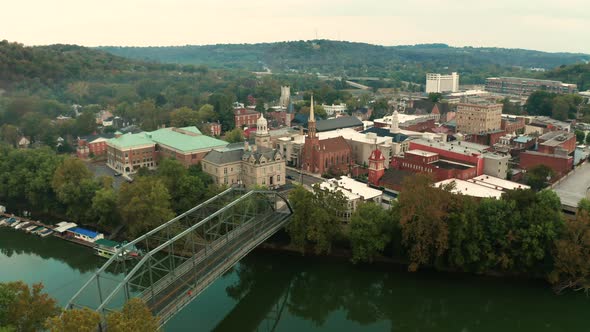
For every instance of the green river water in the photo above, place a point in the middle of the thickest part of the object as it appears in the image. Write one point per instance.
(283, 292)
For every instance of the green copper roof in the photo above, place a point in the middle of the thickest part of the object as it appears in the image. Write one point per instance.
(192, 129)
(131, 140)
(170, 138)
(183, 142)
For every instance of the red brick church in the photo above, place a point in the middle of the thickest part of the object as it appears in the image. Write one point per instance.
(332, 155)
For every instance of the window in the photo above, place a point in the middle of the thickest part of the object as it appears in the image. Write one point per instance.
(225, 171)
(278, 178)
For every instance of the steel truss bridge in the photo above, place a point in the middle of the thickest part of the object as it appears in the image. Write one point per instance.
(185, 255)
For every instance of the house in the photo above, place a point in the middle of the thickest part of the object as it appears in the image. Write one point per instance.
(23, 142)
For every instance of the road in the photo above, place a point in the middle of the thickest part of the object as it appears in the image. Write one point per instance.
(573, 188)
(307, 180)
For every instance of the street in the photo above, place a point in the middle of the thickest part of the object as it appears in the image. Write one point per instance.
(295, 175)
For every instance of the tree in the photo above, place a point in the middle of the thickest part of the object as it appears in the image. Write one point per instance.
(367, 232)
(538, 176)
(75, 187)
(183, 117)
(104, 207)
(422, 220)
(316, 219)
(234, 136)
(588, 140)
(135, 317)
(434, 97)
(25, 308)
(74, 320)
(207, 113)
(144, 204)
(571, 255)
(85, 123)
(580, 136)
(560, 109)
(9, 134)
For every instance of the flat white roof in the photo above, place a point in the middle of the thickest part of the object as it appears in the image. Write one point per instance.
(498, 183)
(64, 226)
(471, 189)
(422, 153)
(332, 187)
(358, 188)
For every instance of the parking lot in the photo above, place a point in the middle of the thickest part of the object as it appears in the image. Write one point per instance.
(100, 169)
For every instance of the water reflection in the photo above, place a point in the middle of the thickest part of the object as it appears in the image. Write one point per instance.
(336, 296)
(17, 242)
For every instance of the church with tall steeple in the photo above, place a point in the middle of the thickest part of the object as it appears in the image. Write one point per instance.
(322, 156)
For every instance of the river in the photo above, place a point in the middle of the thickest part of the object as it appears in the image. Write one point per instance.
(288, 292)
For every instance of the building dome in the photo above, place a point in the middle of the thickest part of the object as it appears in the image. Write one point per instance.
(261, 125)
(394, 128)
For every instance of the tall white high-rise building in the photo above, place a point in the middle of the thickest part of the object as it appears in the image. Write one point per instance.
(437, 83)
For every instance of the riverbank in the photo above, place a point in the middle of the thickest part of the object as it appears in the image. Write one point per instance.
(320, 293)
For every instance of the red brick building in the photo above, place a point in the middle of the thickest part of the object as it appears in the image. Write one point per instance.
(244, 117)
(214, 128)
(512, 124)
(553, 141)
(419, 125)
(92, 146)
(281, 118)
(323, 156)
(489, 138)
(419, 161)
(459, 152)
(560, 164)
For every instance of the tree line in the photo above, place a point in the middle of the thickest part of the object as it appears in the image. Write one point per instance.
(48, 184)
(523, 233)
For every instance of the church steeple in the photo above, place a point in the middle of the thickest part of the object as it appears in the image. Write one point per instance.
(311, 128)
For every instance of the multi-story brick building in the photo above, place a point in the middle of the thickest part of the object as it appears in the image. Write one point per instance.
(419, 161)
(478, 118)
(127, 153)
(561, 164)
(518, 86)
(244, 117)
(92, 146)
(553, 141)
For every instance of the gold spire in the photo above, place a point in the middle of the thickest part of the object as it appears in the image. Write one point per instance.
(311, 116)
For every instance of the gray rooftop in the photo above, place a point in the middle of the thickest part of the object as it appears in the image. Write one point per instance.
(338, 123)
(573, 188)
(224, 156)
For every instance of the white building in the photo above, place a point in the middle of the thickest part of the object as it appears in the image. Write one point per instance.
(354, 191)
(437, 83)
(483, 186)
(334, 110)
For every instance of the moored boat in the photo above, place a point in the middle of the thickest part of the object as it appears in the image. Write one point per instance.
(3, 222)
(30, 228)
(21, 225)
(108, 248)
(16, 224)
(45, 233)
(38, 230)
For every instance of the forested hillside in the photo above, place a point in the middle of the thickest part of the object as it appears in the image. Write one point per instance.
(408, 63)
(578, 74)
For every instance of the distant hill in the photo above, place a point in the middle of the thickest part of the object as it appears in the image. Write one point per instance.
(358, 59)
(578, 74)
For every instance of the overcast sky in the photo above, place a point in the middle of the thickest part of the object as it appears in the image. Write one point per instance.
(549, 25)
